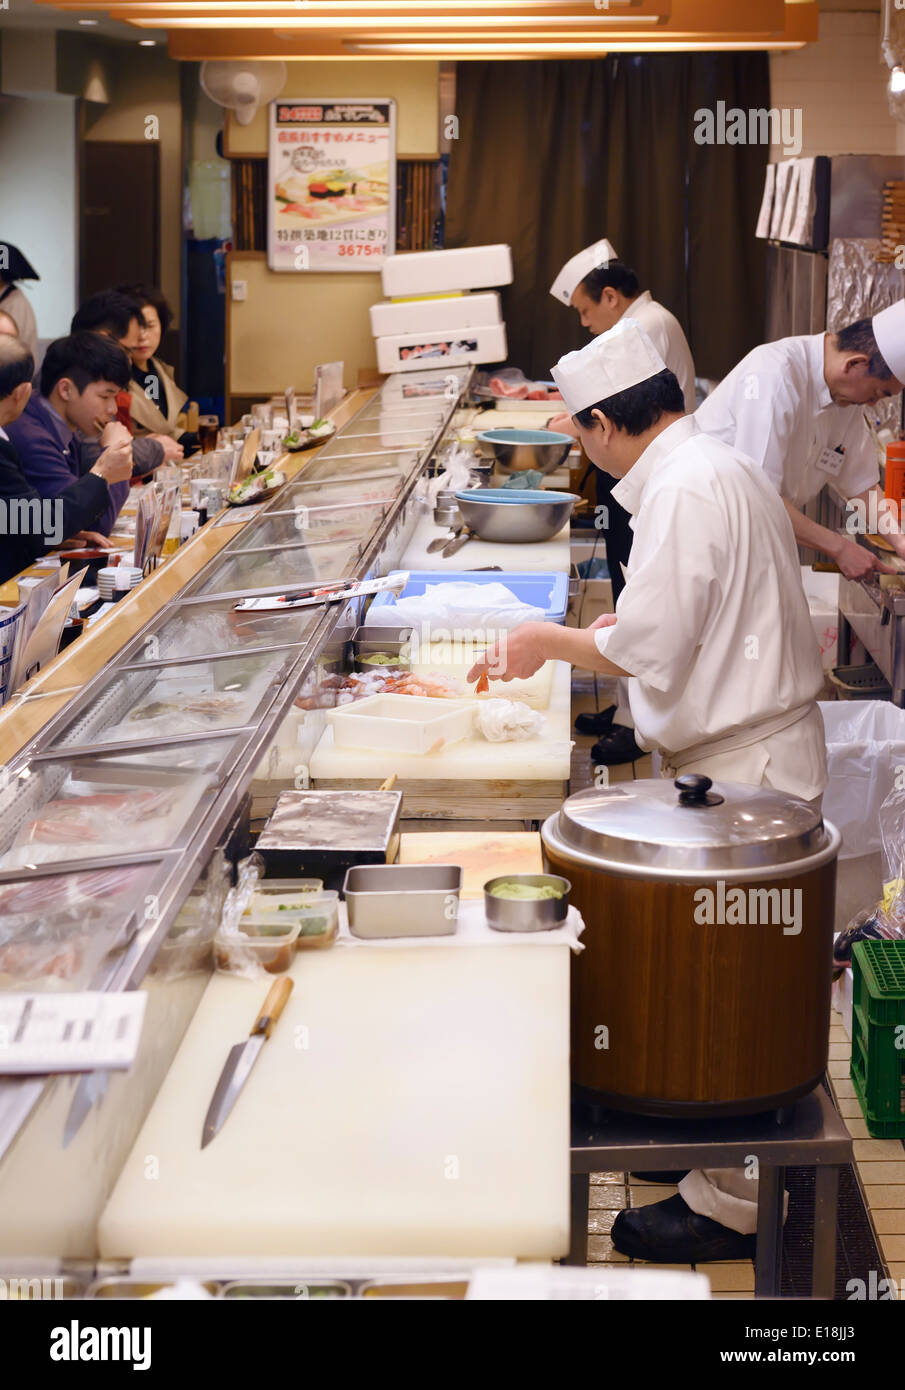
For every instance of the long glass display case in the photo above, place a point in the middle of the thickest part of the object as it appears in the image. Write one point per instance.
(111, 812)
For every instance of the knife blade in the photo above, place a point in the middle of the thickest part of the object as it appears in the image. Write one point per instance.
(90, 1089)
(241, 1060)
(457, 543)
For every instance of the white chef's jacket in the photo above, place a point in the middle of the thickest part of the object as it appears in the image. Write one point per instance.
(713, 624)
(775, 406)
(18, 306)
(665, 332)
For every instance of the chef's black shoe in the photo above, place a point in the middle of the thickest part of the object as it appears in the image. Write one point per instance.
(618, 746)
(672, 1179)
(671, 1233)
(600, 722)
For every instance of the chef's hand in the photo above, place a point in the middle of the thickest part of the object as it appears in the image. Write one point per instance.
(171, 449)
(115, 433)
(516, 656)
(115, 464)
(605, 620)
(563, 424)
(82, 538)
(856, 562)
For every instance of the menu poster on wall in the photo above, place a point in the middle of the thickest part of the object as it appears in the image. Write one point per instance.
(332, 184)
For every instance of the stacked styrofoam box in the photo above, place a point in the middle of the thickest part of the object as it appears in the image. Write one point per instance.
(437, 319)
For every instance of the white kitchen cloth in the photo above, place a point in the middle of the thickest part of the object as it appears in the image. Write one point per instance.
(472, 930)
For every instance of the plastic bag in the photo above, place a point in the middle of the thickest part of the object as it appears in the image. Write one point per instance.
(456, 606)
(885, 920)
(508, 721)
(865, 744)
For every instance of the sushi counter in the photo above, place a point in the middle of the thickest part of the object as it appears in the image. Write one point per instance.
(189, 789)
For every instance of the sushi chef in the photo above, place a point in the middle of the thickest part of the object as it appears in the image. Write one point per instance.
(796, 407)
(714, 633)
(602, 289)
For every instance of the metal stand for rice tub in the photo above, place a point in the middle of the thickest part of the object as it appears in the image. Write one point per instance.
(808, 1134)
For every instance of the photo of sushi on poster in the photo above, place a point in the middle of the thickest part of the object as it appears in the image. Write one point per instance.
(331, 181)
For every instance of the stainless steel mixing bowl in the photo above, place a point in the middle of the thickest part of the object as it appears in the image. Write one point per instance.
(498, 514)
(515, 451)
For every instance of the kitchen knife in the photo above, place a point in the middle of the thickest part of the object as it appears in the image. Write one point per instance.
(455, 545)
(90, 1089)
(242, 1058)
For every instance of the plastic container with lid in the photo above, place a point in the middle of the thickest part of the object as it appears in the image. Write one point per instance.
(317, 916)
(267, 946)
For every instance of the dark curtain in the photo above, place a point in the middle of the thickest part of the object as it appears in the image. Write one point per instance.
(551, 156)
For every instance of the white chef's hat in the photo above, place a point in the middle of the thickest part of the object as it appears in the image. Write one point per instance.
(575, 270)
(889, 331)
(622, 357)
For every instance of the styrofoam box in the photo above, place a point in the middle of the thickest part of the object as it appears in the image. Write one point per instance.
(822, 591)
(401, 723)
(487, 344)
(433, 272)
(436, 315)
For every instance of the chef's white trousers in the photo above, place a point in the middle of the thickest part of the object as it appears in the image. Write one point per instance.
(728, 1195)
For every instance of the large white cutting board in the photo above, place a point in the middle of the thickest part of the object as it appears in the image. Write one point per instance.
(540, 556)
(542, 759)
(409, 1102)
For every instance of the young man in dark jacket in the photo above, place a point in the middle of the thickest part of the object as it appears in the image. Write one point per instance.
(80, 377)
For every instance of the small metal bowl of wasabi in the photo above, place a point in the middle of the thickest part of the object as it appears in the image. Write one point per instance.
(526, 902)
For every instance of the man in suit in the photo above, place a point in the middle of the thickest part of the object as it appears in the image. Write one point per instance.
(29, 523)
(80, 378)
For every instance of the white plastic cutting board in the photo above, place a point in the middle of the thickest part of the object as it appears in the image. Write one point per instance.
(552, 555)
(409, 1102)
(547, 758)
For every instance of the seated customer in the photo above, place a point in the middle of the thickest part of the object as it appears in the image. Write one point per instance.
(118, 317)
(8, 325)
(80, 379)
(156, 399)
(13, 268)
(31, 524)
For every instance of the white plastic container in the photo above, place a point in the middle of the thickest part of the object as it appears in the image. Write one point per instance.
(401, 723)
(436, 272)
(412, 352)
(437, 314)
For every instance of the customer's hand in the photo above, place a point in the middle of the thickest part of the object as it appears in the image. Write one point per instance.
(171, 449)
(86, 538)
(115, 433)
(115, 464)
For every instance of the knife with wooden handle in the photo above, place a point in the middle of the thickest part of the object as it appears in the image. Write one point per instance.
(242, 1058)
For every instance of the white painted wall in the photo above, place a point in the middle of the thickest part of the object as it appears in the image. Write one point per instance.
(840, 85)
(38, 200)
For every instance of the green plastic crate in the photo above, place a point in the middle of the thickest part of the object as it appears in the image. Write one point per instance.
(878, 1035)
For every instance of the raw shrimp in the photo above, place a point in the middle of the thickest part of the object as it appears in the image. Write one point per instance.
(483, 684)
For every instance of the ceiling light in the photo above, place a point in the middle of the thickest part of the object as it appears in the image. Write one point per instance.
(147, 43)
(377, 21)
(87, 21)
(897, 80)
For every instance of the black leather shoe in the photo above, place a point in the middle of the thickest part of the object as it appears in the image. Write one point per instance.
(663, 1175)
(618, 746)
(600, 722)
(671, 1233)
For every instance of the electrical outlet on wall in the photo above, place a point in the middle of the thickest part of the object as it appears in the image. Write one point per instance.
(239, 289)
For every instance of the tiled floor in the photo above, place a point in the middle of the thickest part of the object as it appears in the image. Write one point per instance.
(880, 1163)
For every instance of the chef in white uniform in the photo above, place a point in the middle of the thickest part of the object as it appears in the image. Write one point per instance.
(603, 290)
(713, 631)
(796, 407)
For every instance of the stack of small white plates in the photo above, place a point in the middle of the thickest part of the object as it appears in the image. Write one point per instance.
(107, 585)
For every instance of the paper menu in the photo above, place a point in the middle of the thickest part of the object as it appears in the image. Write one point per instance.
(783, 175)
(69, 1032)
(800, 230)
(766, 208)
(791, 202)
